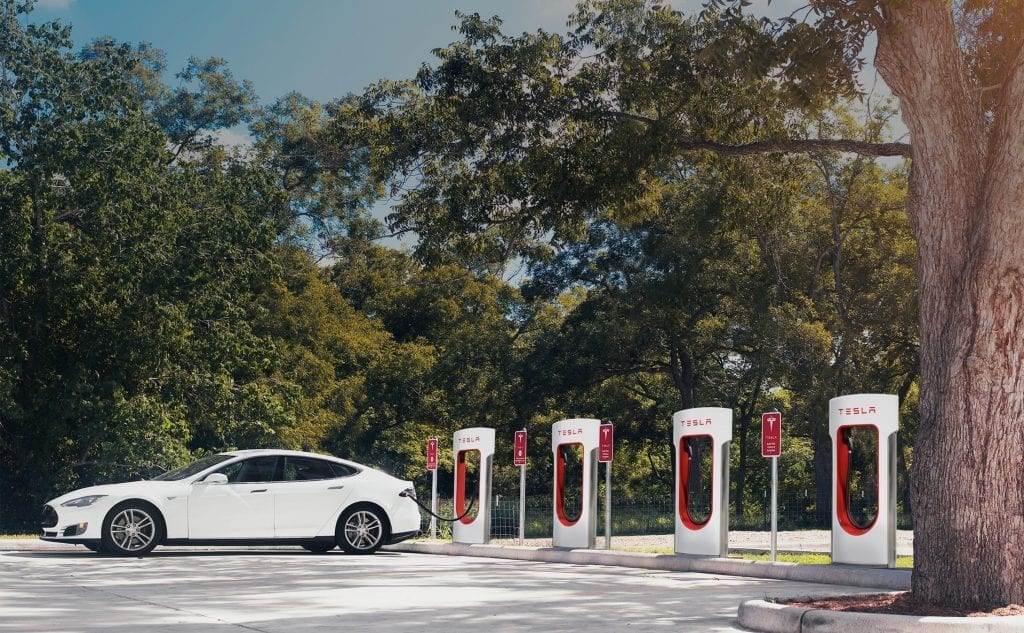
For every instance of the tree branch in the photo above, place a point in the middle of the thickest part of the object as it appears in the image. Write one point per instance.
(801, 145)
(863, 148)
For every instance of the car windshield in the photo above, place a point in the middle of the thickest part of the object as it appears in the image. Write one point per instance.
(195, 467)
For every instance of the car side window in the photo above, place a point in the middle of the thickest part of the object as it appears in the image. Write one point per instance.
(253, 470)
(341, 470)
(307, 469)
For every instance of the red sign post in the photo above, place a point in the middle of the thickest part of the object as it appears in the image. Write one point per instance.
(519, 452)
(606, 445)
(771, 446)
(432, 467)
(771, 434)
(519, 459)
(432, 454)
(606, 453)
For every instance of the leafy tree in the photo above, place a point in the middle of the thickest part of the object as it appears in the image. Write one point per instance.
(517, 140)
(959, 94)
(126, 281)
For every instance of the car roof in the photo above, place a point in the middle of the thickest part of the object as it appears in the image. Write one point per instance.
(248, 452)
(273, 451)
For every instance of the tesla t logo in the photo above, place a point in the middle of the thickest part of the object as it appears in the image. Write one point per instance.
(695, 422)
(857, 410)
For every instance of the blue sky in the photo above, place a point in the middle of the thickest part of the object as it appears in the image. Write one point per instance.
(321, 48)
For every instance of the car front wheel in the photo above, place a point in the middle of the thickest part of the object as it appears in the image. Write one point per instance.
(361, 530)
(131, 529)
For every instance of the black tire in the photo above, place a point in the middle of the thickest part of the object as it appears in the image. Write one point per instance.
(319, 548)
(132, 528)
(362, 530)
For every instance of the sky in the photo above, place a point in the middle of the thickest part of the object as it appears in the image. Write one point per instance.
(323, 49)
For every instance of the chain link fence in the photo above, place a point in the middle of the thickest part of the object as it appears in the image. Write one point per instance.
(655, 516)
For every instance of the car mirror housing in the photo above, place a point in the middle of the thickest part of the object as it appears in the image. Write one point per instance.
(214, 479)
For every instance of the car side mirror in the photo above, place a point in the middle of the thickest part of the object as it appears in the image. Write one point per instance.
(215, 479)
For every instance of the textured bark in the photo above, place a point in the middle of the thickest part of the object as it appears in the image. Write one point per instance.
(965, 209)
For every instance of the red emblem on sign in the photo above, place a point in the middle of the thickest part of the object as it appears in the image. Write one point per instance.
(519, 453)
(606, 443)
(432, 454)
(771, 434)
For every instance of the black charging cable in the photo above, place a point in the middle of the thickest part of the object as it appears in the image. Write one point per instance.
(437, 516)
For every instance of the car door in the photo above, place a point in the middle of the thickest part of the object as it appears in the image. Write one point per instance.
(310, 496)
(242, 508)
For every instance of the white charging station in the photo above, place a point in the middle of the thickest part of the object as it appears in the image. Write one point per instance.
(474, 528)
(860, 537)
(574, 444)
(702, 535)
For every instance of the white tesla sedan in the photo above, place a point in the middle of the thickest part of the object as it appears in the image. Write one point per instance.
(250, 497)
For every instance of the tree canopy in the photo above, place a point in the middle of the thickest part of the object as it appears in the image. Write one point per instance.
(693, 203)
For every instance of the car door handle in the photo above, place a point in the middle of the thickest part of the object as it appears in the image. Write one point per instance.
(259, 490)
(335, 487)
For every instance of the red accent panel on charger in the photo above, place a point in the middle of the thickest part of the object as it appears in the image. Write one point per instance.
(684, 485)
(842, 481)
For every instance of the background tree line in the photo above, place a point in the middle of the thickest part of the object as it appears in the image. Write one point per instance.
(163, 296)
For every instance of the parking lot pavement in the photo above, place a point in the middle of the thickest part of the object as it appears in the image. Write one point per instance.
(281, 590)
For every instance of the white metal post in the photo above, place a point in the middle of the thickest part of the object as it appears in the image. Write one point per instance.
(775, 506)
(522, 504)
(607, 505)
(433, 504)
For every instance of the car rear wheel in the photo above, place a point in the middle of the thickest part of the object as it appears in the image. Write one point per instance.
(361, 530)
(131, 529)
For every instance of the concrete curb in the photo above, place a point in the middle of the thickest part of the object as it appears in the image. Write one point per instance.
(769, 617)
(887, 579)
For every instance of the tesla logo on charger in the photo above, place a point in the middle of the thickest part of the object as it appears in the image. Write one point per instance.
(695, 422)
(469, 440)
(857, 410)
(565, 432)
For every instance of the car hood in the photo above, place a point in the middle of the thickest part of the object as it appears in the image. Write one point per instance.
(114, 490)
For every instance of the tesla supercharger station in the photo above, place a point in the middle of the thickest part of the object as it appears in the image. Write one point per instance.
(468, 444)
(694, 431)
(574, 444)
(860, 425)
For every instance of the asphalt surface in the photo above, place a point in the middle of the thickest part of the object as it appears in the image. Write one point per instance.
(67, 589)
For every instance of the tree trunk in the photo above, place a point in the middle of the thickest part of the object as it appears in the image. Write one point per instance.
(965, 209)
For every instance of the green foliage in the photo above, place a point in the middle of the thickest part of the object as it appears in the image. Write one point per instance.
(162, 296)
(127, 283)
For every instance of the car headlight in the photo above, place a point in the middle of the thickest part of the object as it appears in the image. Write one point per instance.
(81, 502)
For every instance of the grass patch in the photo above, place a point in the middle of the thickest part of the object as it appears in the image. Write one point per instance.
(801, 558)
(814, 558)
(11, 537)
